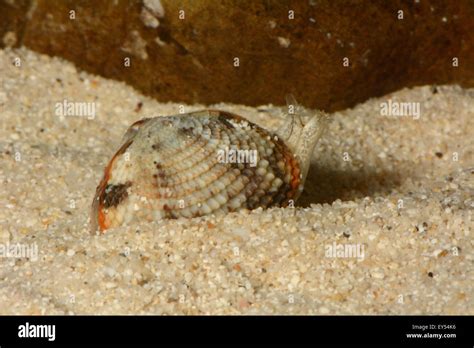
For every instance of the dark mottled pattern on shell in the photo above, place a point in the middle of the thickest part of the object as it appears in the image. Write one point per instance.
(114, 194)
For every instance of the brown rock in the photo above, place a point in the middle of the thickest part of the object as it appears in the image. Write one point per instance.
(189, 56)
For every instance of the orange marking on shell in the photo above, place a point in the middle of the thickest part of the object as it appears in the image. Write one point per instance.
(101, 218)
(294, 165)
(295, 177)
(139, 123)
(295, 172)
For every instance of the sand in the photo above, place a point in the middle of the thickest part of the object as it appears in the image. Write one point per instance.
(395, 192)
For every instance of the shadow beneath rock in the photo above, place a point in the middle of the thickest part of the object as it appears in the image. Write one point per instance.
(325, 185)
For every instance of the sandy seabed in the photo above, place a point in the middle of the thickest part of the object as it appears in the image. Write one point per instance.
(398, 189)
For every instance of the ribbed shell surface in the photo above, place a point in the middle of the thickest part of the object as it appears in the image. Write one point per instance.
(191, 165)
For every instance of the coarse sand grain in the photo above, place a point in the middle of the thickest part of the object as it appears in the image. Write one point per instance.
(383, 227)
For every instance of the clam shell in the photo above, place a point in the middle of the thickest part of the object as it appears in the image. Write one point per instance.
(194, 164)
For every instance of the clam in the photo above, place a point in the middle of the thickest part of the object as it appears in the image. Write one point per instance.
(204, 162)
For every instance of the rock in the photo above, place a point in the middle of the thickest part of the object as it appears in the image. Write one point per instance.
(186, 52)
